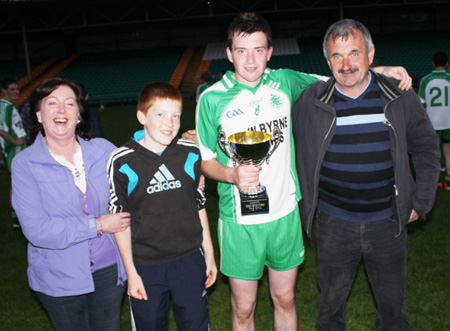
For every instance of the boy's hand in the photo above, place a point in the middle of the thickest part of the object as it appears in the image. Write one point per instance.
(136, 288)
(201, 183)
(211, 271)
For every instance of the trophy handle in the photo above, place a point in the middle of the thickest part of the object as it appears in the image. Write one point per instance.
(276, 139)
(225, 146)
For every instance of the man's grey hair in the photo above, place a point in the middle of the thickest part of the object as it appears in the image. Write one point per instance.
(344, 28)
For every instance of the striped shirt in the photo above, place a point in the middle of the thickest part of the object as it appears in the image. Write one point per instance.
(357, 176)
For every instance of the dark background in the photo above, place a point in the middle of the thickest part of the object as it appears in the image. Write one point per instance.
(62, 28)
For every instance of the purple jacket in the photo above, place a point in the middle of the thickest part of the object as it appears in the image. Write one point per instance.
(46, 201)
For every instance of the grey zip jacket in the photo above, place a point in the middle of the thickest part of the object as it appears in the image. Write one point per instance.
(411, 135)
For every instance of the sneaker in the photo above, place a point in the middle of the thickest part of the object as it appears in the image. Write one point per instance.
(447, 180)
(16, 226)
(442, 169)
(444, 186)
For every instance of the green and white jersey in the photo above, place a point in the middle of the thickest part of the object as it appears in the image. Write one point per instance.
(233, 107)
(434, 91)
(10, 122)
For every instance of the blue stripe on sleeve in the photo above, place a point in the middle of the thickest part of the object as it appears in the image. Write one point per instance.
(132, 177)
(189, 164)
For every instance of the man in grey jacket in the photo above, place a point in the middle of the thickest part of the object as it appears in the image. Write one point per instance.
(354, 135)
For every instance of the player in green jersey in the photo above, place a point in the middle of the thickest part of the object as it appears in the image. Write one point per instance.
(12, 134)
(434, 93)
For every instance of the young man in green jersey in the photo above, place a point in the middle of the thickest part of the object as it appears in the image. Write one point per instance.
(12, 134)
(434, 93)
(255, 98)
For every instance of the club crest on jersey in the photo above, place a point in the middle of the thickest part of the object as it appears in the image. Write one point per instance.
(163, 180)
(275, 101)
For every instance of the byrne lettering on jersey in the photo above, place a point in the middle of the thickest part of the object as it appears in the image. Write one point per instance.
(281, 124)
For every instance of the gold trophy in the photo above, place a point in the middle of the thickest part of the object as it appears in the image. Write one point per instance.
(251, 148)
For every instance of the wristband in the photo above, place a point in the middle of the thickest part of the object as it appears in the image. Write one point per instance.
(100, 232)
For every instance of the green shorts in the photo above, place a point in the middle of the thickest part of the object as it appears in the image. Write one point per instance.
(246, 249)
(444, 135)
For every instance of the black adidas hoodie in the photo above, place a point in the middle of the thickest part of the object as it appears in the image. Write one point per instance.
(161, 194)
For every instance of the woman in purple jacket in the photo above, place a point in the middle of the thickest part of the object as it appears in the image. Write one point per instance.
(60, 194)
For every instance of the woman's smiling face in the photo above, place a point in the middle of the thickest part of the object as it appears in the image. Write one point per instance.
(59, 113)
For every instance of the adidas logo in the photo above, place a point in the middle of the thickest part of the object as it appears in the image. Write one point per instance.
(163, 181)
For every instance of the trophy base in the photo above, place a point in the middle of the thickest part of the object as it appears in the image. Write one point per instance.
(254, 204)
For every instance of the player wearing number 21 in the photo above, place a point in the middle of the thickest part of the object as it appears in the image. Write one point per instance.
(434, 93)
